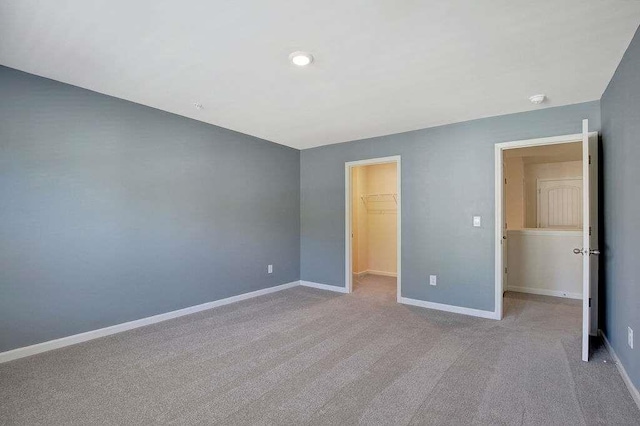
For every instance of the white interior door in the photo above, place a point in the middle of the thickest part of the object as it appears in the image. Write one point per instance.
(589, 249)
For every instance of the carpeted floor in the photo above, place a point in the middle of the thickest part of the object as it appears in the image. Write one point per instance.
(306, 356)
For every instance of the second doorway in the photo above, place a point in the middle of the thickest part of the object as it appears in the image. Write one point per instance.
(374, 221)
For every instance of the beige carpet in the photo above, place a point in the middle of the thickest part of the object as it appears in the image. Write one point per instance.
(306, 356)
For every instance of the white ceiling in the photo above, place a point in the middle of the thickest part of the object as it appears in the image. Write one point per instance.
(381, 66)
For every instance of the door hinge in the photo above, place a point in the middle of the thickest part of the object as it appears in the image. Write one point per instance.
(589, 230)
(589, 302)
(505, 181)
(505, 270)
(589, 159)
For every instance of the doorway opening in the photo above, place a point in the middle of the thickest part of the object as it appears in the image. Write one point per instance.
(546, 224)
(543, 220)
(372, 224)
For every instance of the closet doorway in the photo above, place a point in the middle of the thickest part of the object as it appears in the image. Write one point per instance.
(373, 227)
(558, 220)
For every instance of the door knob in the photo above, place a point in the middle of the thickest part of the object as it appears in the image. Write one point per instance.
(590, 251)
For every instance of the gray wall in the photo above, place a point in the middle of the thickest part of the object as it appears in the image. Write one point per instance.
(621, 167)
(112, 211)
(447, 177)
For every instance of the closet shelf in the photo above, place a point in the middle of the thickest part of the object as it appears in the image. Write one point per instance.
(380, 203)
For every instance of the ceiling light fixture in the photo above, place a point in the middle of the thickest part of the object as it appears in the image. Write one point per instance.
(537, 99)
(301, 59)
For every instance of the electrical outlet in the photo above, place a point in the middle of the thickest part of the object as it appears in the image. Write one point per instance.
(630, 337)
(433, 279)
(270, 269)
(477, 221)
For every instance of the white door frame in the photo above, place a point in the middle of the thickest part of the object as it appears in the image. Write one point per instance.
(348, 264)
(499, 208)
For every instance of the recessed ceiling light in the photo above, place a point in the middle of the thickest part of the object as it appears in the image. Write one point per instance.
(301, 59)
(198, 105)
(537, 99)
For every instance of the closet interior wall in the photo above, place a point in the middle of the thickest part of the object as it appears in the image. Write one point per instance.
(374, 219)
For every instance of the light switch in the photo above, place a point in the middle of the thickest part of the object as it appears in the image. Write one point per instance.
(477, 221)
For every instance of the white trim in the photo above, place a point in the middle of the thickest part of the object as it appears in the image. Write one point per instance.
(635, 394)
(560, 178)
(544, 292)
(553, 140)
(498, 270)
(118, 328)
(347, 219)
(547, 232)
(382, 273)
(373, 161)
(449, 308)
(323, 286)
(499, 219)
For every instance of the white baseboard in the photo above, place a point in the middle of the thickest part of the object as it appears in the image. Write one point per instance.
(544, 292)
(323, 286)
(448, 308)
(383, 273)
(625, 377)
(118, 328)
